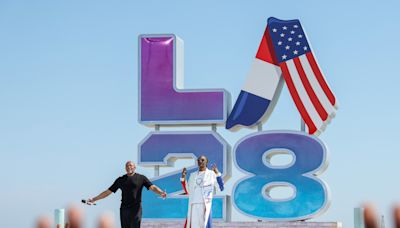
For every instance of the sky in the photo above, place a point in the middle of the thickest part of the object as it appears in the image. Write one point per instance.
(69, 85)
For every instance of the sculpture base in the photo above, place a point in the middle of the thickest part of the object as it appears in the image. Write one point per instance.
(148, 224)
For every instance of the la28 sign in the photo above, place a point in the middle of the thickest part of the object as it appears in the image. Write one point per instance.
(163, 101)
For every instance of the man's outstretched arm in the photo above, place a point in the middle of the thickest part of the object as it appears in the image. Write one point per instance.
(158, 191)
(100, 196)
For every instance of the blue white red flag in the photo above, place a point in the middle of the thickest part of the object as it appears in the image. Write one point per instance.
(261, 90)
(290, 50)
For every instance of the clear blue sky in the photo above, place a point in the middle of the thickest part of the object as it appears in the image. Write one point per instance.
(68, 92)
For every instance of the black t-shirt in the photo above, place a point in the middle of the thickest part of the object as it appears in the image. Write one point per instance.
(131, 187)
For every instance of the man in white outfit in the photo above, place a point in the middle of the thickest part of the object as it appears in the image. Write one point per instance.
(201, 189)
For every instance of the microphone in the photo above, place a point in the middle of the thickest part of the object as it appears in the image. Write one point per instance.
(87, 202)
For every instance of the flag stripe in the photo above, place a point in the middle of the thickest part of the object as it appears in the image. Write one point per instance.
(305, 99)
(320, 78)
(263, 52)
(311, 94)
(292, 89)
(266, 50)
(316, 86)
(306, 83)
(263, 79)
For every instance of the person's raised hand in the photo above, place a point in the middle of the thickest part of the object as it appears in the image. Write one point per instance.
(215, 169)
(184, 171)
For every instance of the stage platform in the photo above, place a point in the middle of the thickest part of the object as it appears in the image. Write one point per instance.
(148, 224)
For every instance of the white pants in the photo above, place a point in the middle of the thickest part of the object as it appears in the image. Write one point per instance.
(197, 218)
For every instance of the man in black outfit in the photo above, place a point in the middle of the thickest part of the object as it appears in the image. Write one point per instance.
(131, 185)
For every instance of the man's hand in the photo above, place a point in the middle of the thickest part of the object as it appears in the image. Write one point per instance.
(90, 201)
(215, 169)
(102, 195)
(158, 191)
(184, 172)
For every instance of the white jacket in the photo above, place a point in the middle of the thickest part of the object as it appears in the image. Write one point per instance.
(208, 189)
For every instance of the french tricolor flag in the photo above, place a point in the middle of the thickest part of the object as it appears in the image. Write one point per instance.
(285, 50)
(261, 89)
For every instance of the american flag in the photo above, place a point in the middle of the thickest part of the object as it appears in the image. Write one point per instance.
(306, 83)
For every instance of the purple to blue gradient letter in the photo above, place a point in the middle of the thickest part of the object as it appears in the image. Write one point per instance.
(252, 193)
(162, 98)
(163, 148)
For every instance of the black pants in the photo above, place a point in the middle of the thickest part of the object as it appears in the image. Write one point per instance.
(130, 217)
